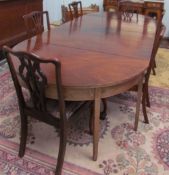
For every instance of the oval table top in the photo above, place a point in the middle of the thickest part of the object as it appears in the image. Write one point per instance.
(96, 50)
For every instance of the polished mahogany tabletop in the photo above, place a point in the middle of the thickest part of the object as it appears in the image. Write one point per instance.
(101, 55)
(96, 50)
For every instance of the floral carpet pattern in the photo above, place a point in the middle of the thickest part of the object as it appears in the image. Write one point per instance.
(122, 151)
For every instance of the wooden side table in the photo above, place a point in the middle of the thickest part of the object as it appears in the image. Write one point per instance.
(138, 6)
(109, 4)
(152, 7)
(147, 7)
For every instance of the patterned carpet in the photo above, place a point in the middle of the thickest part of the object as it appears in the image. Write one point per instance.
(121, 150)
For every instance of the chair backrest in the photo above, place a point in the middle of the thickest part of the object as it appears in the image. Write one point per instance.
(65, 14)
(160, 30)
(29, 74)
(34, 22)
(128, 9)
(76, 9)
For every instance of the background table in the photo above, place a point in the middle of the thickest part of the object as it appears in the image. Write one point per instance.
(146, 7)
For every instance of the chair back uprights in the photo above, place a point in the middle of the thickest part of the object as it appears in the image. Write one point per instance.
(76, 9)
(34, 22)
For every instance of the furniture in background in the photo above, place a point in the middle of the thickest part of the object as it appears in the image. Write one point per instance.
(128, 9)
(154, 8)
(66, 15)
(105, 68)
(53, 112)
(161, 32)
(127, 14)
(147, 7)
(75, 9)
(110, 4)
(12, 28)
(34, 22)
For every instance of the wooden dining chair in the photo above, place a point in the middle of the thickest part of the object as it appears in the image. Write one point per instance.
(128, 8)
(53, 112)
(161, 30)
(157, 45)
(145, 93)
(34, 22)
(65, 14)
(75, 9)
(145, 101)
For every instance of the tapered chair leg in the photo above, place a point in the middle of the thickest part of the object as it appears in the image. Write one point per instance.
(153, 67)
(62, 150)
(139, 97)
(144, 109)
(146, 95)
(103, 114)
(23, 138)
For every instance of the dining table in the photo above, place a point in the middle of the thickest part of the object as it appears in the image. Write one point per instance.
(101, 54)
